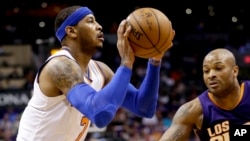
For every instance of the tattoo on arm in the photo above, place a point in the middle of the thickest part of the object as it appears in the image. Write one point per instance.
(178, 135)
(184, 110)
(65, 72)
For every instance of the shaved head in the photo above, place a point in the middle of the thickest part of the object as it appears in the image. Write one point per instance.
(220, 54)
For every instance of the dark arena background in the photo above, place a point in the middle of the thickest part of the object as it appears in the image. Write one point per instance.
(27, 39)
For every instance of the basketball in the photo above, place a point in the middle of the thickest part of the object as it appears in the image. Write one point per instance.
(151, 33)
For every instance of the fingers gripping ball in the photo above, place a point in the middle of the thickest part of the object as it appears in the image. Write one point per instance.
(152, 32)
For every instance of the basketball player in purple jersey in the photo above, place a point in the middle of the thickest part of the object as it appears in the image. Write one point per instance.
(224, 105)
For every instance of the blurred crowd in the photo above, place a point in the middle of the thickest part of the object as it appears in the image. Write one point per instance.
(181, 71)
(181, 81)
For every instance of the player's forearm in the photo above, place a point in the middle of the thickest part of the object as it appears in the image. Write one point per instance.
(176, 133)
(148, 90)
(143, 101)
(175, 137)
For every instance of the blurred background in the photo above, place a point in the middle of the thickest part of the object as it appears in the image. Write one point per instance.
(27, 39)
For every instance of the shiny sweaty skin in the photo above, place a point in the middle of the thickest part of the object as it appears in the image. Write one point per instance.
(220, 76)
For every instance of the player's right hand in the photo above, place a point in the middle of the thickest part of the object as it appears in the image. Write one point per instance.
(125, 50)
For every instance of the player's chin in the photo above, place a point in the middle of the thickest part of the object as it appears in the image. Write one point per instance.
(100, 45)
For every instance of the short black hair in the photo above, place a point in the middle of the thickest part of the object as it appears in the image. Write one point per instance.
(63, 15)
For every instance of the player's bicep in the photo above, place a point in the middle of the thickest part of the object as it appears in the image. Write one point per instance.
(64, 73)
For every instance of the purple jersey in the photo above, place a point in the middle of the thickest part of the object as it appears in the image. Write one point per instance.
(217, 121)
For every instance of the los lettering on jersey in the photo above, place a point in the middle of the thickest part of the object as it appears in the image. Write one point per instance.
(224, 130)
(239, 132)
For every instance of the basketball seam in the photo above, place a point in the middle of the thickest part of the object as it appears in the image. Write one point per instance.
(159, 33)
(154, 45)
(167, 37)
(137, 44)
(145, 33)
(159, 47)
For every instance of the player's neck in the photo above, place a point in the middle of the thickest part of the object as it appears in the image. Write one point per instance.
(228, 101)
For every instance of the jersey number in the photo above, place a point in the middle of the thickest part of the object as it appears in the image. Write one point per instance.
(222, 137)
(85, 123)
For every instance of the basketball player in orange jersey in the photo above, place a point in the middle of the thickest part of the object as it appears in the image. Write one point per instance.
(217, 110)
(71, 90)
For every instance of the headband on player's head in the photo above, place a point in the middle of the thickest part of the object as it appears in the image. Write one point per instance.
(72, 20)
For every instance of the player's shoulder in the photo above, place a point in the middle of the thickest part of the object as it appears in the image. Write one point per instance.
(191, 108)
(100, 64)
(189, 113)
(106, 71)
(192, 105)
(60, 60)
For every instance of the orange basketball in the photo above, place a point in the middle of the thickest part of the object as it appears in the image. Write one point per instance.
(152, 32)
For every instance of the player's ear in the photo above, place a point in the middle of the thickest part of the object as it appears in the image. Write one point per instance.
(71, 31)
(236, 70)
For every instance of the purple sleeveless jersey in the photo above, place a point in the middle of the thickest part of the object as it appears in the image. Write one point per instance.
(218, 122)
